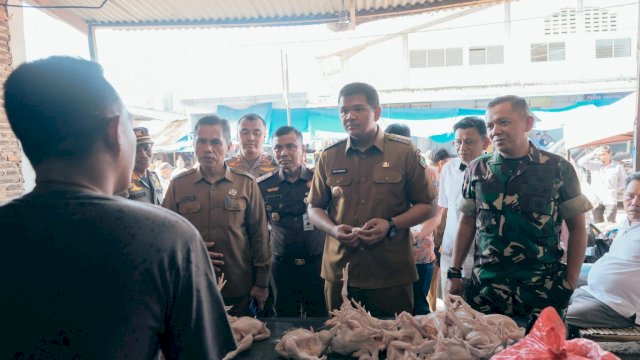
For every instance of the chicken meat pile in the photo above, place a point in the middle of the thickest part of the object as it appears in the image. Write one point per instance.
(245, 329)
(459, 332)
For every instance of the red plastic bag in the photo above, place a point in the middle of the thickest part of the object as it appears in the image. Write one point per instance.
(546, 341)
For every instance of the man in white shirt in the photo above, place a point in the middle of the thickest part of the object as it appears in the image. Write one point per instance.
(607, 177)
(470, 142)
(611, 298)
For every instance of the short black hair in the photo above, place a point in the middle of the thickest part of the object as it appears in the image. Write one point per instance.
(215, 120)
(472, 122)
(252, 117)
(398, 129)
(517, 103)
(358, 88)
(55, 107)
(286, 130)
(633, 176)
(439, 154)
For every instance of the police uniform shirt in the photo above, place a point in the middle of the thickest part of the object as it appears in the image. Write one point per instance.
(519, 207)
(292, 235)
(145, 189)
(230, 213)
(355, 187)
(264, 164)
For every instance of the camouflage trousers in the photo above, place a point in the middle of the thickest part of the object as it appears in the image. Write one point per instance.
(522, 298)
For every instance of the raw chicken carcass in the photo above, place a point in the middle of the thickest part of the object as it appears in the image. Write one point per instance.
(304, 344)
(245, 330)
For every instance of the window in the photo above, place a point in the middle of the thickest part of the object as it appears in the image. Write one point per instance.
(435, 58)
(595, 20)
(547, 52)
(613, 48)
(481, 55)
(562, 22)
(417, 59)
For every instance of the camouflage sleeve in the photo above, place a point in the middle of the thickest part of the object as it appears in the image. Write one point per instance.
(466, 204)
(571, 201)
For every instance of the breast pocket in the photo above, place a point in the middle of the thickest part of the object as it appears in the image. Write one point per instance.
(190, 207)
(387, 184)
(234, 211)
(537, 207)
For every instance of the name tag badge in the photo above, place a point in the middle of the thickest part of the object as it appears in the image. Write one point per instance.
(306, 224)
(339, 171)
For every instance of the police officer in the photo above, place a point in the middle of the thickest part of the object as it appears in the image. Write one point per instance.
(252, 159)
(145, 184)
(225, 205)
(513, 204)
(373, 188)
(297, 244)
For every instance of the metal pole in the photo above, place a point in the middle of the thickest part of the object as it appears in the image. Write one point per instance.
(285, 84)
(636, 140)
(91, 37)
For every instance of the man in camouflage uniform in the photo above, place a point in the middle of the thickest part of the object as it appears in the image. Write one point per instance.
(252, 159)
(145, 184)
(513, 205)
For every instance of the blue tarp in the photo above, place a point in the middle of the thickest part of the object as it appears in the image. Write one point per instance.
(328, 120)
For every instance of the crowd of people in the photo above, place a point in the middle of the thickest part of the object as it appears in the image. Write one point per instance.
(99, 276)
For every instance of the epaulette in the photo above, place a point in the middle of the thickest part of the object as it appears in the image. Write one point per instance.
(184, 173)
(336, 144)
(241, 172)
(266, 176)
(399, 138)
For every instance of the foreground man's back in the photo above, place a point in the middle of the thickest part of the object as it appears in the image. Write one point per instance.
(87, 275)
(98, 277)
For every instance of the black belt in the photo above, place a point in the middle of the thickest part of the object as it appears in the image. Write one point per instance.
(298, 261)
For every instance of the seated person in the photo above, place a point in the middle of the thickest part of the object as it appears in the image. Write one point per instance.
(611, 298)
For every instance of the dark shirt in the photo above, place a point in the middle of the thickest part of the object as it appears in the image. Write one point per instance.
(99, 277)
(286, 210)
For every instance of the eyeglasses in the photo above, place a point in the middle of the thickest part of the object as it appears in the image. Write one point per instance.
(144, 147)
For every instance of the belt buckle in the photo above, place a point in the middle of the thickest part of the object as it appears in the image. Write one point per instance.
(299, 262)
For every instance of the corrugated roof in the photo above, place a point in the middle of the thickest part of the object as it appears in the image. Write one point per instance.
(123, 13)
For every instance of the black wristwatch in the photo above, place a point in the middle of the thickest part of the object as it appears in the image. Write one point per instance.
(393, 230)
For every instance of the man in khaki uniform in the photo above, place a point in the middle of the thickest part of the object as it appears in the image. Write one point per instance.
(145, 185)
(373, 187)
(226, 206)
(252, 159)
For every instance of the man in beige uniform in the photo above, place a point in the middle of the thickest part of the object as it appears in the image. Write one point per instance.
(226, 206)
(252, 159)
(373, 187)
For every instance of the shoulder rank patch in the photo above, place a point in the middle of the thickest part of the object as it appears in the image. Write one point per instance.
(400, 139)
(336, 144)
(185, 173)
(421, 159)
(264, 177)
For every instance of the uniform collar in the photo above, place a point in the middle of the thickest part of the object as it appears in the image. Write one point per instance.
(136, 177)
(533, 156)
(200, 176)
(378, 141)
(305, 174)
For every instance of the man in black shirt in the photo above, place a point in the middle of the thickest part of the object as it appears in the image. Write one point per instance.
(297, 245)
(88, 275)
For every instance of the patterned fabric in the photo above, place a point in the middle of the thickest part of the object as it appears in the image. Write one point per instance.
(519, 205)
(423, 245)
